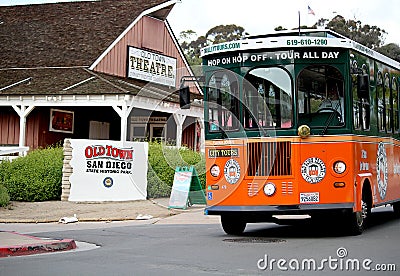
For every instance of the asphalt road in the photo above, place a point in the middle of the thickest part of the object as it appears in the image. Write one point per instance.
(204, 249)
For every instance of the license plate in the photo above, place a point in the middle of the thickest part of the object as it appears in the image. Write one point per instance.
(309, 197)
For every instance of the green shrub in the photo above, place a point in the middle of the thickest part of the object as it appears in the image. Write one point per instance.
(38, 176)
(4, 197)
(163, 161)
(35, 177)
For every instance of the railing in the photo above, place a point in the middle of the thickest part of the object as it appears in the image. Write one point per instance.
(9, 153)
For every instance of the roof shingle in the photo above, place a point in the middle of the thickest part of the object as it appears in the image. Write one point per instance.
(64, 34)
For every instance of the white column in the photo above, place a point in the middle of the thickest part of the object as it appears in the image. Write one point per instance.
(179, 119)
(195, 136)
(123, 112)
(202, 134)
(23, 112)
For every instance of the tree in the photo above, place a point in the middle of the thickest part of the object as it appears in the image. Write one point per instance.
(370, 36)
(223, 33)
(187, 36)
(321, 23)
(367, 35)
(279, 28)
(191, 46)
(391, 50)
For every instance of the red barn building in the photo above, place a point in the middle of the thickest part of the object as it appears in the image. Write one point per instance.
(93, 70)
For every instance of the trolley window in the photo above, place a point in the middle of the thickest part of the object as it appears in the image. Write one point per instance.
(320, 96)
(223, 103)
(268, 98)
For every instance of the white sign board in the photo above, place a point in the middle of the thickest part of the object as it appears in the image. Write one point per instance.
(105, 170)
(152, 67)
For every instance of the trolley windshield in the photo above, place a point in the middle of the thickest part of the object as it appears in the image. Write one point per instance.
(269, 98)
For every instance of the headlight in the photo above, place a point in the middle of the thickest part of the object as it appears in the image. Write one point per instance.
(215, 170)
(269, 189)
(339, 167)
(304, 131)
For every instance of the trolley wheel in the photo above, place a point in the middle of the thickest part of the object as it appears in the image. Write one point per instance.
(396, 209)
(358, 220)
(233, 225)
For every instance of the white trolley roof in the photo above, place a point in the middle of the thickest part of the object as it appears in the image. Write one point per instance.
(288, 39)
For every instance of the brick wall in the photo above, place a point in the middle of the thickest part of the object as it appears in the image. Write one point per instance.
(67, 171)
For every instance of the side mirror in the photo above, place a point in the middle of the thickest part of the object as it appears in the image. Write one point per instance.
(362, 86)
(184, 97)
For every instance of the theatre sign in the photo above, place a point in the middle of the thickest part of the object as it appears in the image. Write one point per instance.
(152, 67)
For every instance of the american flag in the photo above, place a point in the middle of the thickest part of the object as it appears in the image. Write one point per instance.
(310, 11)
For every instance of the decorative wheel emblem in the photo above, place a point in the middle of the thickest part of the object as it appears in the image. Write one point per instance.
(382, 170)
(232, 171)
(313, 170)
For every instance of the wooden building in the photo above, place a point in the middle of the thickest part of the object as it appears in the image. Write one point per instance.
(93, 70)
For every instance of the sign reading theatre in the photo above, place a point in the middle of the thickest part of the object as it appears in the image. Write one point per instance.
(106, 170)
(152, 67)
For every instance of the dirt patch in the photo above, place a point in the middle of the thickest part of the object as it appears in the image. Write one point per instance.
(52, 211)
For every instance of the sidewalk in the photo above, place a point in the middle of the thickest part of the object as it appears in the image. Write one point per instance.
(46, 215)
(15, 244)
(53, 211)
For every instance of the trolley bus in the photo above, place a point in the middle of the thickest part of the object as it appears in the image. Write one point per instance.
(300, 123)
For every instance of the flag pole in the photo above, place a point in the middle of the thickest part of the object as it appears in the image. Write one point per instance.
(299, 22)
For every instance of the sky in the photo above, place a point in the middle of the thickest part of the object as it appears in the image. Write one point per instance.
(262, 16)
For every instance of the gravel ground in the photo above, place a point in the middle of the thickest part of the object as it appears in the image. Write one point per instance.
(53, 211)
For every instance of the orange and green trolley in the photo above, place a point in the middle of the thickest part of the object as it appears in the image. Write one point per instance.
(300, 123)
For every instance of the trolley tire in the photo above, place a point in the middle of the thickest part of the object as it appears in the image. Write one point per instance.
(358, 220)
(396, 209)
(233, 225)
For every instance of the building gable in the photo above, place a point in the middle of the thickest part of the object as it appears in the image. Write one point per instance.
(152, 36)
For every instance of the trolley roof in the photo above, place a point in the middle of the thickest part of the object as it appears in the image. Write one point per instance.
(295, 39)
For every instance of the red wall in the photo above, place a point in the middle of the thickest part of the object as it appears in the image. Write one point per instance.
(9, 126)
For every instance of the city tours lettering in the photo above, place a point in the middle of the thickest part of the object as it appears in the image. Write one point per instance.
(108, 159)
(284, 55)
(234, 152)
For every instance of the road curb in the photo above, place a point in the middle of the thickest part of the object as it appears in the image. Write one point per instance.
(88, 219)
(28, 245)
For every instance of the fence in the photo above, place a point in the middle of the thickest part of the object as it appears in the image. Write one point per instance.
(10, 153)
